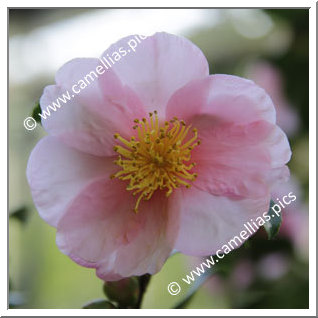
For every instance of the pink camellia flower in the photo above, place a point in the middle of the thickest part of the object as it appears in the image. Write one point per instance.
(154, 155)
(295, 225)
(268, 77)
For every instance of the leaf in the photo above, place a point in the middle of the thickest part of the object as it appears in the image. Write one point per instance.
(99, 304)
(35, 112)
(20, 214)
(247, 244)
(273, 225)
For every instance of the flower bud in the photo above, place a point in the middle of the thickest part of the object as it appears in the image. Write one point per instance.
(125, 292)
(99, 304)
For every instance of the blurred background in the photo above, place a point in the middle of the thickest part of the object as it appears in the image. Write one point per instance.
(267, 46)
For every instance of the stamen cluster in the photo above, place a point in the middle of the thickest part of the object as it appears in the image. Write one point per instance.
(158, 157)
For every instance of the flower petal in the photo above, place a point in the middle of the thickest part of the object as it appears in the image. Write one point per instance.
(87, 121)
(240, 160)
(57, 173)
(208, 222)
(243, 152)
(225, 98)
(101, 230)
(160, 65)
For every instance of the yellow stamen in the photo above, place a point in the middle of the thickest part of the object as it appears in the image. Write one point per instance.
(157, 158)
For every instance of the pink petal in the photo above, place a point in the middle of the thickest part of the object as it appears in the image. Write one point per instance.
(89, 120)
(242, 152)
(160, 65)
(208, 222)
(225, 98)
(57, 173)
(101, 230)
(240, 160)
(278, 147)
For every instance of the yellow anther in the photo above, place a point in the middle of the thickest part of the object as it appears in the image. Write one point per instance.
(158, 158)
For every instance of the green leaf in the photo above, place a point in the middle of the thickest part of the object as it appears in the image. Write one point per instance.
(99, 304)
(273, 225)
(36, 111)
(20, 214)
(247, 244)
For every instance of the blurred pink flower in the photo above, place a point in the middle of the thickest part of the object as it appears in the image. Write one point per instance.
(215, 133)
(268, 77)
(273, 266)
(243, 274)
(295, 225)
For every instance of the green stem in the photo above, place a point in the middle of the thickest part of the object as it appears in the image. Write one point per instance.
(143, 284)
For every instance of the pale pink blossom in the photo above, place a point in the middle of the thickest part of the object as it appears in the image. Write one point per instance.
(269, 77)
(203, 173)
(295, 225)
(243, 274)
(273, 266)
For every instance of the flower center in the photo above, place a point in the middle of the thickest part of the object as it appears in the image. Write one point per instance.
(158, 157)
